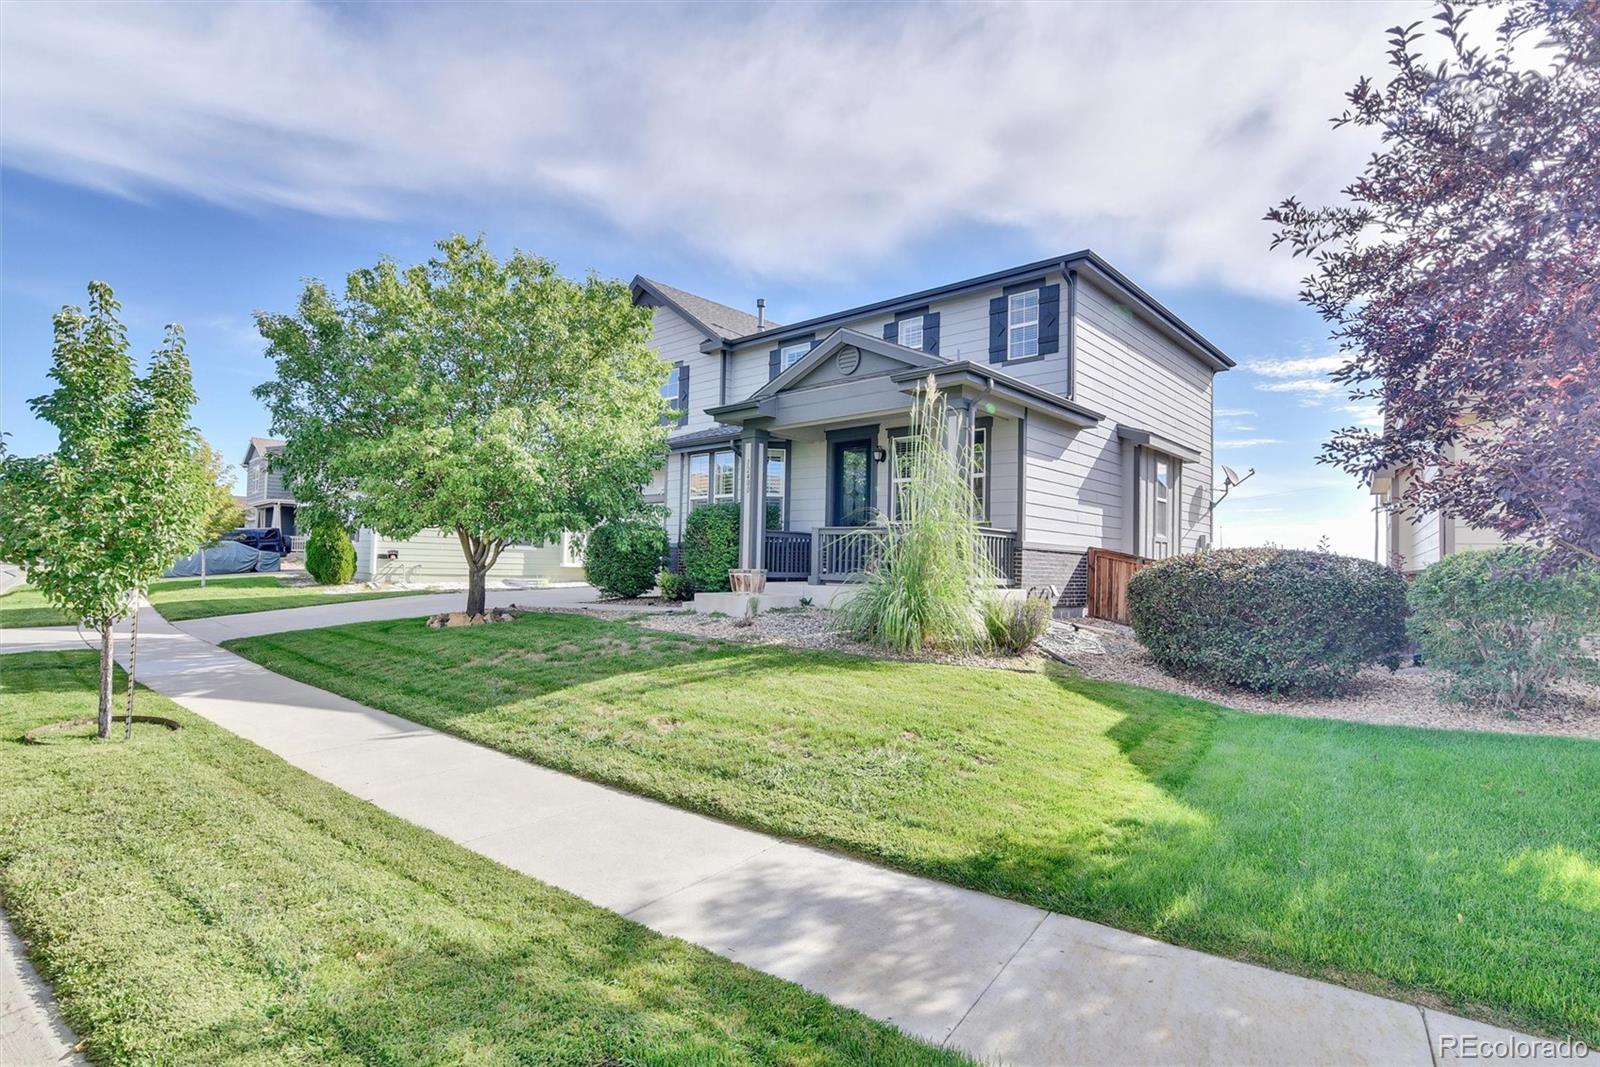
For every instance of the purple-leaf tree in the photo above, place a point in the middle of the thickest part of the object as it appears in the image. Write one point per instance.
(1461, 275)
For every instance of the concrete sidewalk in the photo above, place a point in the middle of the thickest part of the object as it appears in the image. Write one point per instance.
(32, 1032)
(1002, 980)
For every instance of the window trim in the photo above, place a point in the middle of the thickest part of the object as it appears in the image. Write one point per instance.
(784, 362)
(920, 318)
(1037, 293)
(985, 426)
(782, 496)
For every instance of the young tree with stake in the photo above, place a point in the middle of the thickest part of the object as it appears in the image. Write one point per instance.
(95, 521)
(501, 402)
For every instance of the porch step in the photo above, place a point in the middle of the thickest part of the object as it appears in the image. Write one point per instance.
(777, 595)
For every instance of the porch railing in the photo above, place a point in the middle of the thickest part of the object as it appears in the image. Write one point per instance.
(788, 555)
(842, 551)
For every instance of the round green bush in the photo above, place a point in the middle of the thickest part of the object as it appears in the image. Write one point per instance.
(621, 558)
(1268, 619)
(711, 544)
(330, 557)
(1502, 624)
(674, 586)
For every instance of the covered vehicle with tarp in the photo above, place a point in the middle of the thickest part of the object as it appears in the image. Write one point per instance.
(225, 557)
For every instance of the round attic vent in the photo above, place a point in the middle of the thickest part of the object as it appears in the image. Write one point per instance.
(848, 360)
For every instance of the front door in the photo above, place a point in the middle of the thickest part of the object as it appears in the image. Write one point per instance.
(852, 483)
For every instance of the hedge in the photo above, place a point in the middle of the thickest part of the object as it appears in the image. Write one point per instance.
(1268, 619)
(710, 545)
(1503, 625)
(330, 557)
(621, 558)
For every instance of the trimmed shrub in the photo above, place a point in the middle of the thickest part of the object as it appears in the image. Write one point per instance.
(1268, 619)
(1014, 624)
(674, 586)
(924, 588)
(330, 557)
(711, 544)
(621, 558)
(1502, 626)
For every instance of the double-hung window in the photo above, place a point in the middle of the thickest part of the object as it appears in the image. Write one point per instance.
(699, 479)
(1161, 512)
(723, 484)
(1022, 325)
(980, 471)
(910, 332)
(792, 354)
(669, 392)
(900, 461)
(777, 468)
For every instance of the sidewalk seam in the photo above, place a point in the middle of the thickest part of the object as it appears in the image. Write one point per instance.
(995, 978)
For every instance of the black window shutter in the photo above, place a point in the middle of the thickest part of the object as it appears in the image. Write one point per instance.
(683, 393)
(930, 333)
(774, 363)
(891, 331)
(997, 329)
(1049, 319)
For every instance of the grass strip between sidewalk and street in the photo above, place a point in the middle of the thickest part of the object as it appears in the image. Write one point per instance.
(194, 899)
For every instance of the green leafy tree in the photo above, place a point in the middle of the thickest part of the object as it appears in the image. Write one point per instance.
(222, 511)
(95, 521)
(501, 401)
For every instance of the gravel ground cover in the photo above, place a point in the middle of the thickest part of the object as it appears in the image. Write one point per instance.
(1108, 652)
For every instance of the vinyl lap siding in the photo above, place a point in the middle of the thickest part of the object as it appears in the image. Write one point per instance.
(435, 556)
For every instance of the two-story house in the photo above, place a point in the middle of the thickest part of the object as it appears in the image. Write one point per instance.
(1086, 404)
(267, 502)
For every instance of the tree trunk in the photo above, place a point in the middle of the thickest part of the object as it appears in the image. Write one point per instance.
(475, 588)
(103, 726)
(481, 553)
(133, 664)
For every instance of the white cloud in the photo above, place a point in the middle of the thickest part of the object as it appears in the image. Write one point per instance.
(1368, 414)
(1310, 391)
(1249, 442)
(1296, 367)
(1232, 413)
(790, 140)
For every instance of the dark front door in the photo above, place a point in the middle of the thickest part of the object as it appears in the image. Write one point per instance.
(852, 483)
(286, 523)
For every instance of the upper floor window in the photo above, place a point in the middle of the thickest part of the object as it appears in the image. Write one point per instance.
(910, 332)
(671, 392)
(1022, 332)
(792, 353)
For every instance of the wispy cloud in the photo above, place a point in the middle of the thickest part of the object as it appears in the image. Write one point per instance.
(1364, 414)
(1232, 413)
(787, 140)
(1249, 442)
(1297, 367)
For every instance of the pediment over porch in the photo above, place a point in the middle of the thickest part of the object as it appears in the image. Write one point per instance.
(846, 356)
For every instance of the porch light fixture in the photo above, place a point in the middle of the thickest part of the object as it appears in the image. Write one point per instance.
(879, 454)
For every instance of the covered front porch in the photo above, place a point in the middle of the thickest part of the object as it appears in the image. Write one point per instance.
(811, 458)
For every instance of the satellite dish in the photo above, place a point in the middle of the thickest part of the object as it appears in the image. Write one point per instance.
(1230, 476)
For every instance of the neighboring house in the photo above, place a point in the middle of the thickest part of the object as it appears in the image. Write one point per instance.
(436, 556)
(1413, 540)
(1087, 406)
(267, 503)
(430, 556)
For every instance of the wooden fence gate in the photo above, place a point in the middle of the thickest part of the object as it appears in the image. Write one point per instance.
(1109, 573)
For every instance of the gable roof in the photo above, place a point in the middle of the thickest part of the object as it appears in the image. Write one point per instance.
(716, 321)
(830, 345)
(262, 445)
(1085, 261)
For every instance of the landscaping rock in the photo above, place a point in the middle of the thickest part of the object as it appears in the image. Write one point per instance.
(461, 618)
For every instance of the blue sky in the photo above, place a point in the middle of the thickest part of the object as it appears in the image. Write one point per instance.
(205, 160)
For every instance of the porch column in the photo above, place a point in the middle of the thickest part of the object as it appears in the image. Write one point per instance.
(753, 500)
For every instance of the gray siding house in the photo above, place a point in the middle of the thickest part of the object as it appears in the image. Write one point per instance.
(267, 503)
(1086, 404)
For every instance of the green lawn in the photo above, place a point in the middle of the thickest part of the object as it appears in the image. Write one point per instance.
(178, 599)
(194, 899)
(1461, 869)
